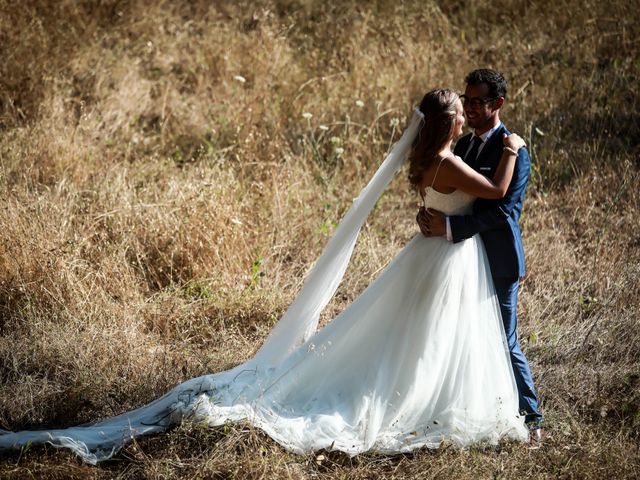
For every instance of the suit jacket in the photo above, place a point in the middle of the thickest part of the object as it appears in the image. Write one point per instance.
(496, 220)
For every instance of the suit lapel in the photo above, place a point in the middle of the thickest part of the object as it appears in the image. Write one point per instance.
(488, 158)
(487, 155)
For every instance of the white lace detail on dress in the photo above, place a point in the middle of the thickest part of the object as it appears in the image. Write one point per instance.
(454, 203)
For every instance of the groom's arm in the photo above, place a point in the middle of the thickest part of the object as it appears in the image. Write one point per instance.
(465, 226)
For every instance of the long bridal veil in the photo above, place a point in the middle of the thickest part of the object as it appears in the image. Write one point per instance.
(301, 319)
(99, 441)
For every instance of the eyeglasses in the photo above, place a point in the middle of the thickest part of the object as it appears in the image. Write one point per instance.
(476, 102)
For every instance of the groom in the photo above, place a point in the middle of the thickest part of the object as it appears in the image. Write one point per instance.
(495, 220)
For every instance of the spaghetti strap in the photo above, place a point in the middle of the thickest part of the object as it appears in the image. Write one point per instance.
(432, 182)
(436, 174)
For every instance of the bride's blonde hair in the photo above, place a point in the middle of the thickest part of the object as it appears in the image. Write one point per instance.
(439, 109)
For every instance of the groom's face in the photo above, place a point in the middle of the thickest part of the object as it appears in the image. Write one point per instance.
(478, 107)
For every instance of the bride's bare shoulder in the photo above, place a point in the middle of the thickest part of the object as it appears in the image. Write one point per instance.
(452, 162)
(453, 170)
(454, 158)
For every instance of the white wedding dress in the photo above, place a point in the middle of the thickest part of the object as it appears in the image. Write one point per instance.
(417, 359)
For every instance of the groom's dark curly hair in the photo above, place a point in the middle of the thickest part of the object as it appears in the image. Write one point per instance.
(494, 80)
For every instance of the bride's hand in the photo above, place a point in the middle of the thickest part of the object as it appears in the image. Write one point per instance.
(514, 141)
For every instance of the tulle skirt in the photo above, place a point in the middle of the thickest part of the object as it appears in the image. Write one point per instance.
(417, 359)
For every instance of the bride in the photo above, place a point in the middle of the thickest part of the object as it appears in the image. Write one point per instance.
(418, 358)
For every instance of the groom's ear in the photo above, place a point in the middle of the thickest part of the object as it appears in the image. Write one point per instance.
(497, 103)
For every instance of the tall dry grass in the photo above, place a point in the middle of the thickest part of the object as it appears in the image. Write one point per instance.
(164, 192)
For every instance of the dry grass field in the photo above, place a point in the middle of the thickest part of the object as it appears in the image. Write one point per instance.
(169, 170)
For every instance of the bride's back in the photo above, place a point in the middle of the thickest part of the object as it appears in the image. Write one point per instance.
(441, 197)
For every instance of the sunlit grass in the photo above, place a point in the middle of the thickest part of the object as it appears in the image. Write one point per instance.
(170, 170)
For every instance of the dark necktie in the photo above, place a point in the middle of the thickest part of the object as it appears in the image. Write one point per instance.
(471, 157)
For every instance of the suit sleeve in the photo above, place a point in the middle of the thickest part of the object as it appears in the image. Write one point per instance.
(466, 226)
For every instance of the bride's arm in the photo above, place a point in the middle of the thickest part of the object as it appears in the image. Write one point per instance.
(459, 175)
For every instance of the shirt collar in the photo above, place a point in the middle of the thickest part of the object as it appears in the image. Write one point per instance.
(485, 136)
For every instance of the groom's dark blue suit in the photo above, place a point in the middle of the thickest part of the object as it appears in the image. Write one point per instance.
(497, 223)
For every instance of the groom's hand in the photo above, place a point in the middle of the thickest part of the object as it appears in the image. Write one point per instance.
(432, 223)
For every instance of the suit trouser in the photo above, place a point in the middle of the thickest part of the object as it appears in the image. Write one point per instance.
(507, 290)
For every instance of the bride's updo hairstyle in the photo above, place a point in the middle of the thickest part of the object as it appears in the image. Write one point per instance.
(439, 109)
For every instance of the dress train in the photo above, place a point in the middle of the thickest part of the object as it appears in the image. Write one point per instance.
(417, 359)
